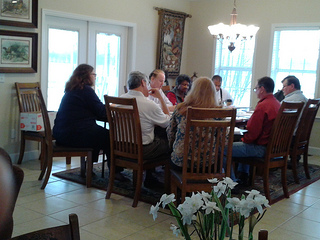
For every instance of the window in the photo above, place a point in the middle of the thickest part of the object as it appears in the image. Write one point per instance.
(235, 68)
(296, 52)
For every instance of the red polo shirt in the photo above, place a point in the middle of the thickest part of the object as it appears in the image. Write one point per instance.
(260, 124)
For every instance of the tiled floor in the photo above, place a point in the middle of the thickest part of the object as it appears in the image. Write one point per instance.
(295, 218)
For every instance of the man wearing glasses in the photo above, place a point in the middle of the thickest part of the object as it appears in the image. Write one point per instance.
(291, 90)
(253, 143)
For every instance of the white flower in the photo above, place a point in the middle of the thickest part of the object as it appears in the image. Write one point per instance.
(166, 199)
(154, 211)
(219, 189)
(210, 207)
(253, 193)
(175, 229)
(205, 196)
(228, 181)
(233, 203)
(244, 209)
(213, 180)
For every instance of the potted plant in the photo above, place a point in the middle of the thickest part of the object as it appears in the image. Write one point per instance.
(214, 215)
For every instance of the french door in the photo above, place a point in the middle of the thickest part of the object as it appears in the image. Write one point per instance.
(67, 42)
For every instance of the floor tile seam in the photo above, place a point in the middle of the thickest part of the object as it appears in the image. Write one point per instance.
(82, 204)
(303, 234)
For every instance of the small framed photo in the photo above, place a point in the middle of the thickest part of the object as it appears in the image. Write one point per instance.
(19, 51)
(19, 13)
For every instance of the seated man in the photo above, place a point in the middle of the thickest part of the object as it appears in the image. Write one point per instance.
(291, 90)
(151, 115)
(157, 78)
(223, 96)
(259, 127)
(292, 93)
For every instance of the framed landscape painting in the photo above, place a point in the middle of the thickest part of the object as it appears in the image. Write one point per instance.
(19, 13)
(18, 52)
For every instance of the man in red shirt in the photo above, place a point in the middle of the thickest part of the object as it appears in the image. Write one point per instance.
(254, 142)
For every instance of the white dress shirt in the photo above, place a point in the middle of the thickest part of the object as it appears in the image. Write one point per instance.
(150, 113)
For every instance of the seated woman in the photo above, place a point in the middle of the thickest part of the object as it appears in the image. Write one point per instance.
(202, 94)
(179, 92)
(75, 123)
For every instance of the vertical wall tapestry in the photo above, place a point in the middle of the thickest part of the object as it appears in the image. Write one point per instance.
(170, 40)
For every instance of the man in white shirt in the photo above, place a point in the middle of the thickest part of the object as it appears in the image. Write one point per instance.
(157, 78)
(223, 96)
(292, 93)
(151, 115)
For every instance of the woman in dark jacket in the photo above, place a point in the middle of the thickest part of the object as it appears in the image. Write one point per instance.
(75, 123)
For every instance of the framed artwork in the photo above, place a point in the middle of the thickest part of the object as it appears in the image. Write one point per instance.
(170, 41)
(19, 52)
(19, 13)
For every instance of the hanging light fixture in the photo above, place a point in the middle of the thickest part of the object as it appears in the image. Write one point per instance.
(233, 32)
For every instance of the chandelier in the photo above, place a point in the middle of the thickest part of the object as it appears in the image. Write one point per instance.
(233, 32)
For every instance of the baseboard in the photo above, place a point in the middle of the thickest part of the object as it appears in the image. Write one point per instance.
(30, 155)
(314, 151)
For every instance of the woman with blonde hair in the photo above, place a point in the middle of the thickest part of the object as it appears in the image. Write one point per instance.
(202, 95)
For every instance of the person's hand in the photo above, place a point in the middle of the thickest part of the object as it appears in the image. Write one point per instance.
(154, 92)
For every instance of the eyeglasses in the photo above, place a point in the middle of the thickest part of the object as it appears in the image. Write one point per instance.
(94, 74)
(256, 88)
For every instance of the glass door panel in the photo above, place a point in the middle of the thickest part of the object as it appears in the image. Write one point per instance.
(107, 64)
(63, 59)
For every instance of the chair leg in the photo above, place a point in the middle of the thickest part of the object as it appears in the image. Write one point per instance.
(42, 153)
(167, 177)
(83, 167)
(103, 164)
(68, 160)
(305, 164)
(294, 168)
(45, 162)
(138, 188)
(48, 171)
(266, 184)
(22, 147)
(284, 181)
(89, 169)
(112, 173)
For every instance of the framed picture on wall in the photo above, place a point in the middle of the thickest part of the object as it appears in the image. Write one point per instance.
(19, 51)
(19, 13)
(170, 41)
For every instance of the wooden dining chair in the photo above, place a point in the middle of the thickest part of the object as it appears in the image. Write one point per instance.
(64, 232)
(208, 132)
(278, 147)
(165, 89)
(53, 150)
(300, 144)
(10, 190)
(28, 102)
(126, 144)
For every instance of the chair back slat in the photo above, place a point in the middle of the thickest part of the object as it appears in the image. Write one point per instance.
(27, 97)
(306, 121)
(205, 140)
(125, 128)
(282, 129)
